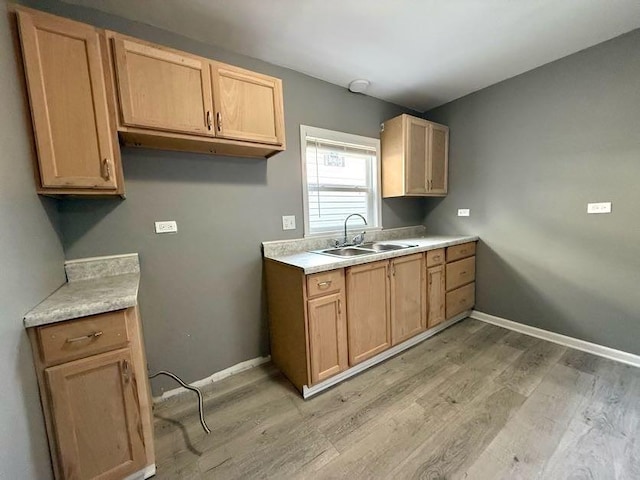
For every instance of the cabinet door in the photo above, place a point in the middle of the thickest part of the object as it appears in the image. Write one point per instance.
(327, 337)
(435, 295)
(64, 66)
(438, 158)
(368, 323)
(162, 89)
(248, 105)
(408, 297)
(96, 416)
(416, 155)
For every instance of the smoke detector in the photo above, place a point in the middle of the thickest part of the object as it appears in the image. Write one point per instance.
(359, 86)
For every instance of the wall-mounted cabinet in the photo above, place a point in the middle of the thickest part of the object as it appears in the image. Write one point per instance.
(415, 157)
(87, 87)
(71, 105)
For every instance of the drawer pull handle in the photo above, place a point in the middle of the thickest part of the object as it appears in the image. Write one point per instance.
(84, 337)
(208, 120)
(463, 272)
(324, 284)
(339, 307)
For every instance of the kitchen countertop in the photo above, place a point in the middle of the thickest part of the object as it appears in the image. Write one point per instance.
(310, 262)
(95, 285)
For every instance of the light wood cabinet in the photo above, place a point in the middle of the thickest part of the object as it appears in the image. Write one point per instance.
(368, 312)
(71, 105)
(408, 297)
(435, 295)
(94, 409)
(327, 336)
(460, 278)
(162, 89)
(248, 105)
(95, 395)
(415, 157)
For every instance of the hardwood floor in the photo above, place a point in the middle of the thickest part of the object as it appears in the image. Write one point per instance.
(474, 402)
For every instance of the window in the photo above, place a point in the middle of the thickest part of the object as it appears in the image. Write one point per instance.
(341, 174)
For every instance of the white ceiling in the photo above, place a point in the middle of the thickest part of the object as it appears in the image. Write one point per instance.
(416, 53)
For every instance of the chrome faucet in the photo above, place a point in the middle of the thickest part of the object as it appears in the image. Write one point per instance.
(358, 239)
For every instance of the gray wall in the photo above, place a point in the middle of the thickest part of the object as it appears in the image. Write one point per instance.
(526, 156)
(32, 268)
(201, 296)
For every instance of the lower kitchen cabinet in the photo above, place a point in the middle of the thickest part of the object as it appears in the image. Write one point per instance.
(95, 395)
(408, 297)
(435, 295)
(327, 323)
(369, 325)
(327, 336)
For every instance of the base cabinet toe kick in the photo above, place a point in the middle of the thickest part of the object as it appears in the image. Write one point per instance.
(326, 327)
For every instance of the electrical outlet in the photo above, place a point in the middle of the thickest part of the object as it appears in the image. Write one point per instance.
(464, 212)
(288, 222)
(602, 207)
(169, 226)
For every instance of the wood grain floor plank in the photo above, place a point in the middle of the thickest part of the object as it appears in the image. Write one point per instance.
(529, 370)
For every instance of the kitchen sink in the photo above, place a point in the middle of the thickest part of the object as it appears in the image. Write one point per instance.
(370, 248)
(346, 251)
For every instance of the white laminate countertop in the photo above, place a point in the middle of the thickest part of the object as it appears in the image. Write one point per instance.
(96, 285)
(310, 262)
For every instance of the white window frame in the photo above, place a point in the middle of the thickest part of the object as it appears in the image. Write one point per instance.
(349, 138)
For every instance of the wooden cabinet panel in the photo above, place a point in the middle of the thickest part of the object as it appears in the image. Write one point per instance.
(64, 341)
(96, 416)
(461, 272)
(438, 158)
(64, 64)
(435, 295)
(248, 105)
(416, 156)
(325, 282)
(457, 252)
(461, 299)
(368, 322)
(162, 89)
(435, 257)
(408, 297)
(327, 336)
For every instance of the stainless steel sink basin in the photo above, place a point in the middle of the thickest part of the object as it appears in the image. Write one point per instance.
(370, 248)
(346, 251)
(384, 247)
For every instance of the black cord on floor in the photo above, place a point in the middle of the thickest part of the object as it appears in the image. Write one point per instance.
(188, 387)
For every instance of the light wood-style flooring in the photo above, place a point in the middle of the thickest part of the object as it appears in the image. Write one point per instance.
(474, 402)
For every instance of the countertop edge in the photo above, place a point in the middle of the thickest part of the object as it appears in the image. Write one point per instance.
(349, 262)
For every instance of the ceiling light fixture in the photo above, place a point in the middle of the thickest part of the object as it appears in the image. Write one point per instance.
(359, 86)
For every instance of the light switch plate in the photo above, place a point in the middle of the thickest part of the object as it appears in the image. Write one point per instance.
(288, 222)
(169, 226)
(602, 207)
(464, 212)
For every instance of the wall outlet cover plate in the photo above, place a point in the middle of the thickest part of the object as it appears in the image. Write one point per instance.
(602, 207)
(288, 222)
(464, 212)
(170, 226)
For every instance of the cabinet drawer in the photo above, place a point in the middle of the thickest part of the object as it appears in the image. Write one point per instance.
(61, 342)
(435, 257)
(460, 300)
(325, 283)
(461, 251)
(460, 273)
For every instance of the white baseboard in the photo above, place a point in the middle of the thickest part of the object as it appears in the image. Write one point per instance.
(147, 472)
(594, 348)
(330, 382)
(216, 377)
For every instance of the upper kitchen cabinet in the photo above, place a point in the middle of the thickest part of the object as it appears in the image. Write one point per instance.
(248, 105)
(71, 105)
(162, 89)
(415, 157)
(176, 101)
